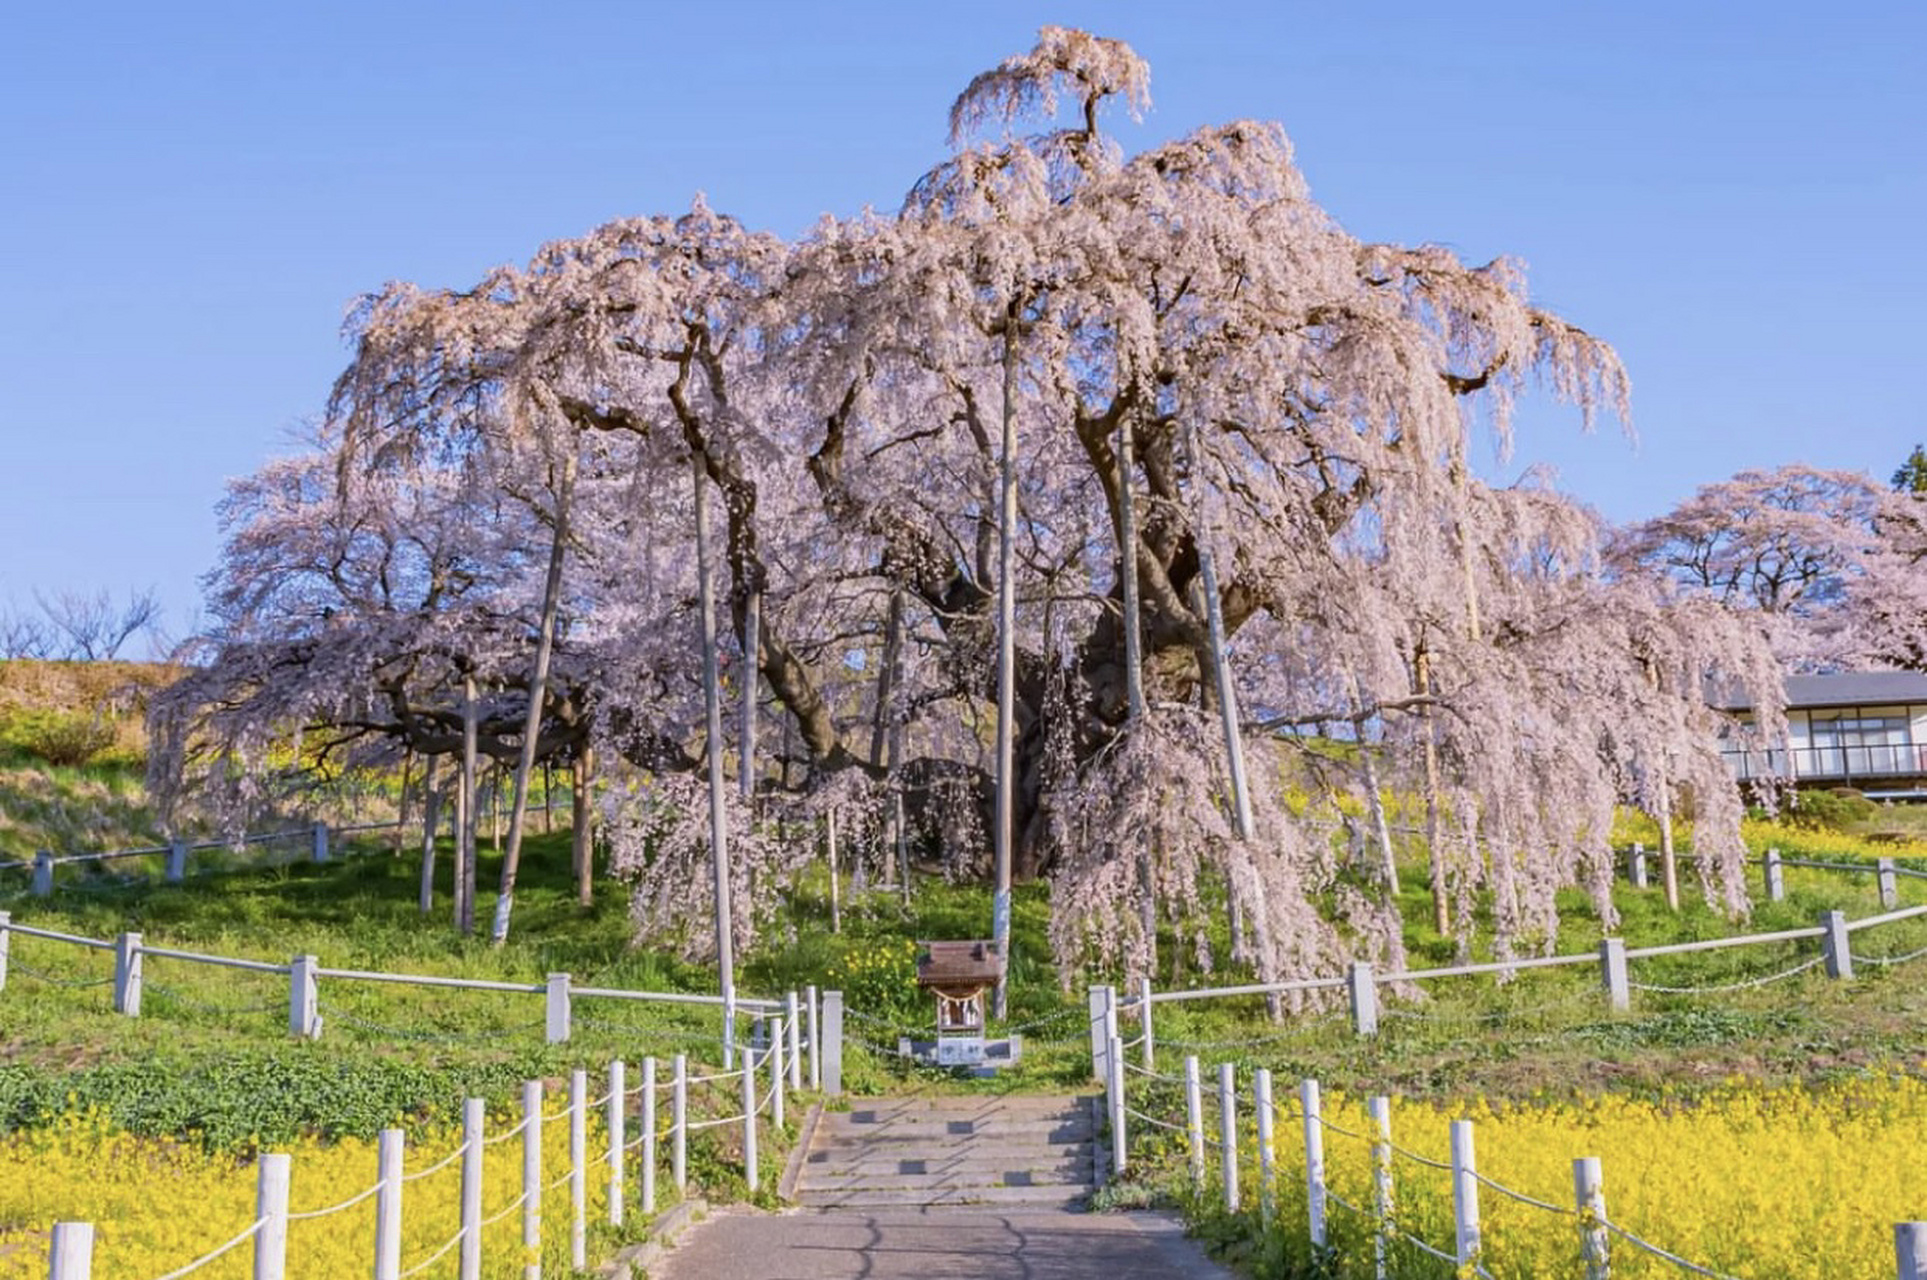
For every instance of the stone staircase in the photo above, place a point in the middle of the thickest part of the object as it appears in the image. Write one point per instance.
(1033, 1152)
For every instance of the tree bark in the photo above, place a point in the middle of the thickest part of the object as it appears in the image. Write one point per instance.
(1668, 858)
(1435, 852)
(1006, 657)
(538, 685)
(718, 818)
(752, 662)
(465, 855)
(431, 817)
(582, 824)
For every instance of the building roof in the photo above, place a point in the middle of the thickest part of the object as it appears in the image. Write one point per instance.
(1844, 689)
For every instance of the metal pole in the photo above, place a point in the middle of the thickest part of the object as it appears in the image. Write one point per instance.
(679, 1119)
(1228, 1133)
(1313, 1107)
(1194, 1119)
(1267, 1148)
(649, 1135)
(578, 1169)
(1381, 1111)
(271, 1204)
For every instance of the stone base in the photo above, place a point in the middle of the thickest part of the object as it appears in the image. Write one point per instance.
(973, 1056)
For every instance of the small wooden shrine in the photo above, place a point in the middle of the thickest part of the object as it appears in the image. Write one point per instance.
(958, 974)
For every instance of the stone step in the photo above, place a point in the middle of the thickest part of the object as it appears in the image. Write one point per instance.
(938, 1129)
(861, 1160)
(996, 1176)
(1039, 1197)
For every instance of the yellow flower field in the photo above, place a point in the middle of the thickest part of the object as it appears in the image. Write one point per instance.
(157, 1206)
(1767, 1184)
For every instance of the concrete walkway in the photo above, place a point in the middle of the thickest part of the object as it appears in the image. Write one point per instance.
(937, 1244)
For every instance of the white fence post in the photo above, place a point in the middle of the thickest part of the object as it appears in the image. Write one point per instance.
(778, 1078)
(1636, 865)
(614, 1120)
(320, 842)
(1315, 1201)
(176, 861)
(72, 1254)
(649, 1134)
(1114, 1089)
(1228, 1132)
(1775, 877)
(1100, 1037)
(1267, 1145)
(1144, 1017)
(795, 1025)
(6, 944)
(816, 1060)
(1465, 1195)
(304, 998)
(1382, 1205)
(271, 1204)
(1589, 1196)
(1612, 973)
(578, 1168)
(833, 1043)
(388, 1162)
(532, 1179)
(1364, 998)
(474, 1118)
(1910, 1250)
(43, 873)
(127, 974)
(679, 1120)
(1194, 1119)
(1836, 944)
(749, 1119)
(1889, 885)
(556, 1021)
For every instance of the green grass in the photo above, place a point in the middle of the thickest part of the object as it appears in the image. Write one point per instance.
(416, 1051)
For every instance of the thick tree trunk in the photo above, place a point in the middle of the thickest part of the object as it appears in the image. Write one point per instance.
(1006, 658)
(431, 817)
(1381, 829)
(1435, 851)
(403, 805)
(752, 661)
(582, 824)
(718, 817)
(836, 895)
(538, 687)
(465, 840)
(1668, 858)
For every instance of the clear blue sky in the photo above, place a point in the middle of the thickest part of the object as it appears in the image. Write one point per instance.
(1735, 195)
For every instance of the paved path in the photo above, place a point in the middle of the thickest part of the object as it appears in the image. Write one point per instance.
(937, 1244)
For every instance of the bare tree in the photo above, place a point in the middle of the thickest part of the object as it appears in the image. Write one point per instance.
(90, 627)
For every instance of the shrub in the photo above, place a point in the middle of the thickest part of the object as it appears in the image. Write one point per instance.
(65, 738)
(1840, 809)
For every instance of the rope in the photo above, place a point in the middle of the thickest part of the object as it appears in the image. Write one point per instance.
(504, 1137)
(429, 1037)
(1343, 1131)
(349, 1203)
(1049, 1019)
(505, 1210)
(1522, 1198)
(1343, 1203)
(1303, 1028)
(206, 1258)
(1149, 1074)
(1658, 1252)
(1497, 1015)
(1153, 1120)
(188, 1002)
(1411, 1239)
(1728, 987)
(436, 1256)
(1416, 1158)
(699, 1126)
(31, 972)
(1885, 960)
(438, 1166)
(567, 1174)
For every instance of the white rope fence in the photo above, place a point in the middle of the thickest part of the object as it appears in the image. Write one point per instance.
(70, 1255)
(1386, 1228)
